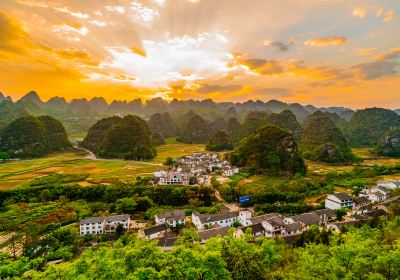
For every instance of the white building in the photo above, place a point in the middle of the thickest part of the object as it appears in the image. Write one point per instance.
(229, 171)
(245, 217)
(172, 218)
(94, 225)
(338, 200)
(100, 225)
(389, 185)
(224, 219)
(111, 223)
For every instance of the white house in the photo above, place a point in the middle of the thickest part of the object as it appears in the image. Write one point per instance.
(204, 221)
(111, 223)
(338, 200)
(94, 225)
(229, 171)
(306, 219)
(172, 218)
(99, 225)
(378, 194)
(245, 217)
(389, 185)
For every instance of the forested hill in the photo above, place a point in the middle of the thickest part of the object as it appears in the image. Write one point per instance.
(126, 138)
(28, 137)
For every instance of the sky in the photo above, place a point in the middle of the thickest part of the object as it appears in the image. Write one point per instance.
(320, 52)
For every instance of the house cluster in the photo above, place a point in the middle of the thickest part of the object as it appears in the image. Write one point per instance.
(194, 169)
(102, 225)
(366, 198)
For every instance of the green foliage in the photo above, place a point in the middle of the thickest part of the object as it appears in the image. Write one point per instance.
(127, 138)
(125, 205)
(163, 125)
(261, 150)
(220, 141)
(389, 143)
(287, 120)
(33, 137)
(195, 131)
(367, 126)
(323, 140)
(169, 161)
(4, 156)
(340, 213)
(157, 140)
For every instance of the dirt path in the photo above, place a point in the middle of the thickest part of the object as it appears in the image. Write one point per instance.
(231, 206)
(92, 156)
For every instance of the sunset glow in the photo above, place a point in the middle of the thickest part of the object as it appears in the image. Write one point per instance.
(320, 52)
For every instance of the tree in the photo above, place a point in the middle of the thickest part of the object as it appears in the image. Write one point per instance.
(125, 205)
(119, 231)
(220, 141)
(4, 156)
(340, 213)
(169, 161)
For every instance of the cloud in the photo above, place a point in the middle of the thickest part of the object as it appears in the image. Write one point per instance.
(71, 31)
(326, 41)
(12, 37)
(143, 14)
(118, 9)
(360, 12)
(206, 89)
(392, 54)
(263, 66)
(364, 52)
(389, 16)
(182, 58)
(375, 70)
(280, 46)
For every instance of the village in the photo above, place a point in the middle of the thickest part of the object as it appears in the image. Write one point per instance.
(194, 169)
(341, 210)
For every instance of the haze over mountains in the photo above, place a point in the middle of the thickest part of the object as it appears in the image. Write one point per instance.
(31, 103)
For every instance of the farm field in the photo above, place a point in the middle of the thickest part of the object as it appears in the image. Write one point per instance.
(14, 174)
(370, 160)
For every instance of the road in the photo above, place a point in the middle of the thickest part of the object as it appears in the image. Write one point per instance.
(231, 206)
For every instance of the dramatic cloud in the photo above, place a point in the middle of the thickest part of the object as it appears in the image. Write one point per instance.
(365, 52)
(326, 41)
(380, 12)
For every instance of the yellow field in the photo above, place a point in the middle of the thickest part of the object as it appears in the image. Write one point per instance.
(13, 174)
(365, 153)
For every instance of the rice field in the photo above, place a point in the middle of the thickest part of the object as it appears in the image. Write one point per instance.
(16, 173)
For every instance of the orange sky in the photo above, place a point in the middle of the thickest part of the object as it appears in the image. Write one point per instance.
(321, 52)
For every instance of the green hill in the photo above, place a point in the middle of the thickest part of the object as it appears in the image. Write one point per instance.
(367, 126)
(115, 137)
(29, 137)
(323, 141)
(195, 131)
(9, 111)
(287, 120)
(269, 149)
(389, 143)
(220, 141)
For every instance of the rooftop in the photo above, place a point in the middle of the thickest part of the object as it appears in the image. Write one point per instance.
(92, 220)
(206, 234)
(208, 218)
(342, 196)
(155, 229)
(172, 215)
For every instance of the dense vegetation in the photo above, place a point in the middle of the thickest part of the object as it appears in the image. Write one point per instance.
(269, 149)
(389, 143)
(367, 252)
(29, 136)
(287, 120)
(163, 124)
(220, 141)
(323, 141)
(367, 126)
(115, 137)
(195, 130)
